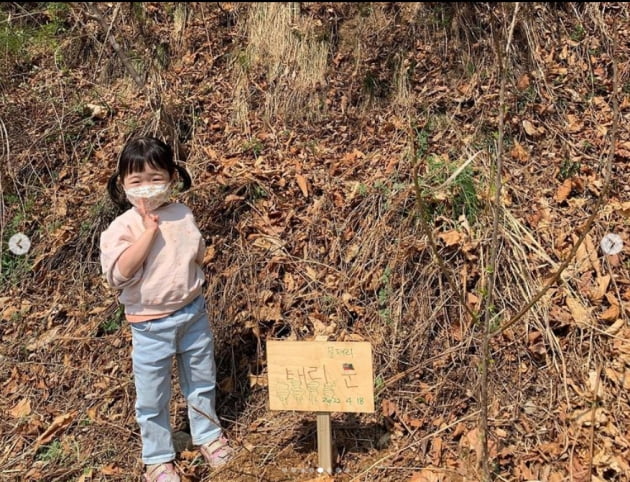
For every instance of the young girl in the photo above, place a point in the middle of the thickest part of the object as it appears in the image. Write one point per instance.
(153, 253)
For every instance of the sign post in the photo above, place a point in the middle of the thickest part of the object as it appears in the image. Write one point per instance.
(324, 442)
(322, 377)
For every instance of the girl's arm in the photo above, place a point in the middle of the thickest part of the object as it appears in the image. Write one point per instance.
(133, 257)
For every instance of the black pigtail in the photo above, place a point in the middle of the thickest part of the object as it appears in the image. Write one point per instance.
(116, 193)
(184, 176)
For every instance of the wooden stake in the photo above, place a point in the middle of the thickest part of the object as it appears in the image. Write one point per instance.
(324, 442)
(324, 434)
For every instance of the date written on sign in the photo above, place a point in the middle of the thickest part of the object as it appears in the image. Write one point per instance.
(320, 376)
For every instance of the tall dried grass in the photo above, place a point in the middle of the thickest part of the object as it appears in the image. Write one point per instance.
(293, 57)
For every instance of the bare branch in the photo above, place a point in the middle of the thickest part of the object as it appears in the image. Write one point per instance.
(94, 11)
(596, 208)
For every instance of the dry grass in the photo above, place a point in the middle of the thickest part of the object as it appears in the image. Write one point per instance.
(285, 45)
(348, 260)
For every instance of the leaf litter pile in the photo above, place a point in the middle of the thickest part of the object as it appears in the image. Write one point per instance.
(301, 125)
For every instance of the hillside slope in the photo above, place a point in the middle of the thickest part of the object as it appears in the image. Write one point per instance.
(301, 125)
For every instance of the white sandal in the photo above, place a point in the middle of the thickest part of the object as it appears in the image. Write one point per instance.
(161, 473)
(217, 452)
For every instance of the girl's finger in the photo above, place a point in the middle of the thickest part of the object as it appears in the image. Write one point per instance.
(141, 209)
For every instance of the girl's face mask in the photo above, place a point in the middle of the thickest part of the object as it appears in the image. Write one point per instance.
(149, 197)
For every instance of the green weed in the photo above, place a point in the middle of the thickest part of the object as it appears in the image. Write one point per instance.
(112, 324)
(257, 192)
(254, 146)
(461, 191)
(466, 201)
(362, 190)
(568, 169)
(52, 452)
(386, 316)
(329, 303)
(379, 382)
(578, 33)
(21, 42)
(422, 143)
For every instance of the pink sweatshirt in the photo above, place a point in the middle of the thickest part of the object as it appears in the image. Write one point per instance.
(171, 275)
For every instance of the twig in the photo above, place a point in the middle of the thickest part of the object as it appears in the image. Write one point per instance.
(457, 172)
(419, 366)
(593, 413)
(2, 206)
(488, 307)
(109, 30)
(112, 41)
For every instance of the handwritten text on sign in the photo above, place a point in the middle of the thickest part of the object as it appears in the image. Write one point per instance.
(320, 376)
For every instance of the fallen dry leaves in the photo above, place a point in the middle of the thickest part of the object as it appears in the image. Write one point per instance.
(311, 230)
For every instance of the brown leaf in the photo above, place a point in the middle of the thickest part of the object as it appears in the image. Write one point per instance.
(602, 286)
(616, 327)
(586, 255)
(111, 469)
(574, 125)
(436, 451)
(302, 182)
(523, 82)
(232, 198)
(472, 441)
(612, 313)
(518, 152)
(58, 424)
(585, 417)
(388, 408)
(289, 282)
(451, 237)
(43, 340)
(227, 385)
(591, 250)
(624, 209)
(208, 255)
(531, 129)
(550, 449)
(426, 475)
(350, 157)
(268, 313)
(22, 409)
(270, 243)
(622, 379)
(352, 252)
(257, 380)
(96, 111)
(188, 454)
(580, 314)
(564, 190)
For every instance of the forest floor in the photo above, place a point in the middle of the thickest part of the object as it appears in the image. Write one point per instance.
(301, 125)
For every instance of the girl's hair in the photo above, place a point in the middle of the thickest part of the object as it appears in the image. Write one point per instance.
(136, 154)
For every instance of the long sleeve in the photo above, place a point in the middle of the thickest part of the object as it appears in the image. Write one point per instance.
(201, 251)
(114, 241)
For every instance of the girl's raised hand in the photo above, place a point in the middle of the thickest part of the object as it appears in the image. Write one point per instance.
(149, 220)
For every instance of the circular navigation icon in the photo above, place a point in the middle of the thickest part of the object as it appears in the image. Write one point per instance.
(19, 244)
(611, 244)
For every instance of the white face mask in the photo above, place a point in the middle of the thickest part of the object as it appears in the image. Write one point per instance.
(149, 197)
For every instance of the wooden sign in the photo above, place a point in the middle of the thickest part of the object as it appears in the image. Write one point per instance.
(320, 376)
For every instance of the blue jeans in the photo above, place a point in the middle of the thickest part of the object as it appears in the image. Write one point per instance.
(187, 335)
